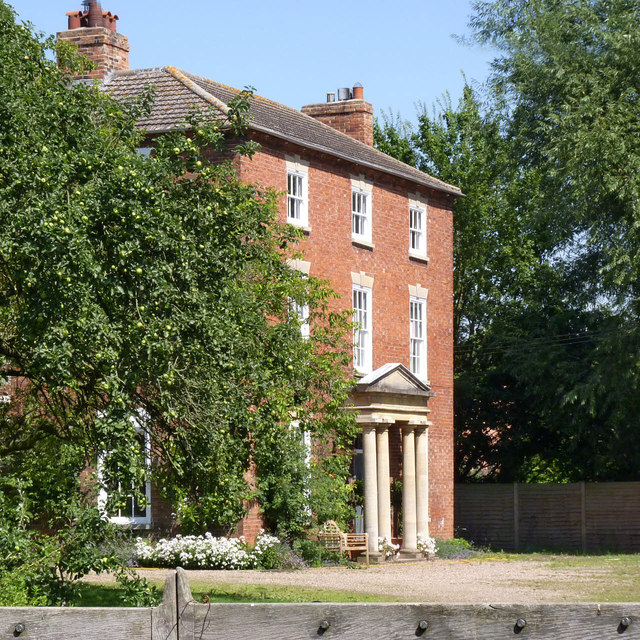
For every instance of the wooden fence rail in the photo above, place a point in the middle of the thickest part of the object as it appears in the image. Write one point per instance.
(179, 617)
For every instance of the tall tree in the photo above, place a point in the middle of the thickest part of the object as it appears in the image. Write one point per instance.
(544, 386)
(153, 292)
(568, 73)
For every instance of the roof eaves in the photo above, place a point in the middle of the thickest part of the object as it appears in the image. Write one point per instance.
(444, 187)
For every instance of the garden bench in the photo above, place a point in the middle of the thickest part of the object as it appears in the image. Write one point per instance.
(332, 538)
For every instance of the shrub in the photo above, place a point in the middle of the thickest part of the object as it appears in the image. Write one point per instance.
(427, 546)
(195, 552)
(387, 547)
(456, 548)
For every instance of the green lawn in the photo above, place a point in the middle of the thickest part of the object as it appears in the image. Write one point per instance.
(109, 595)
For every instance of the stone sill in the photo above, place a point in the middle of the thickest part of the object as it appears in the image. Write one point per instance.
(305, 229)
(418, 257)
(365, 244)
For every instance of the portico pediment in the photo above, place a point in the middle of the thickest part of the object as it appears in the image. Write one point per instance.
(393, 378)
(391, 394)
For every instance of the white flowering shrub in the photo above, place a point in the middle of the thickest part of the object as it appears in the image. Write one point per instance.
(387, 547)
(204, 552)
(426, 546)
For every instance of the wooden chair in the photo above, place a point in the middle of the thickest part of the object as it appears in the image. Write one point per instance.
(332, 538)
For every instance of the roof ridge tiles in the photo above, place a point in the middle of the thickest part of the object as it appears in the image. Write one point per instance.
(183, 77)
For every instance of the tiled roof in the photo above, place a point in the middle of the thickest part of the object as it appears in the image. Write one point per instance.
(178, 94)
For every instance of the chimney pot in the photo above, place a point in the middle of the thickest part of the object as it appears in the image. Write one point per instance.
(75, 19)
(109, 20)
(331, 97)
(95, 18)
(344, 94)
(358, 91)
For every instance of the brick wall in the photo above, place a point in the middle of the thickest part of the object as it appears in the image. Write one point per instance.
(107, 49)
(329, 248)
(353, 117)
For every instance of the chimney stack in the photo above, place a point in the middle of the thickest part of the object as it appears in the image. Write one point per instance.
(93, 31)
(350, 114)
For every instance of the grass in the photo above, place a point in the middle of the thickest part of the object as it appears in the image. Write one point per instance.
(223, 592)
(109, 595)
(582, 577)
(574, 577)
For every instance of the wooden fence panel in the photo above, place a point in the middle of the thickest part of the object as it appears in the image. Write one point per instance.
(180, 618)
(486, 517)
(40, 623)
(550, 516)
(613, 516)
(581, 516)
(404, 621)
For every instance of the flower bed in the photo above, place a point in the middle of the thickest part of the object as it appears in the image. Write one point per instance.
(204, 552)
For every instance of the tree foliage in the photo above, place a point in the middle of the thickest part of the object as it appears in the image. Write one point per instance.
(545, 246)
(153, 292)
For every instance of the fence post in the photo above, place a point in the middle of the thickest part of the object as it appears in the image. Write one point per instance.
(516, 517)
(166, 618)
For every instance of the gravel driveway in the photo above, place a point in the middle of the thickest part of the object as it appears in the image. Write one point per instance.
(440, 581)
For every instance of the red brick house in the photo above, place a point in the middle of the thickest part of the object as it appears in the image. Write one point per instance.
(379, 230)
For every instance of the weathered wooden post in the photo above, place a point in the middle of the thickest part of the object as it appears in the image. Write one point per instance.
(166, 619)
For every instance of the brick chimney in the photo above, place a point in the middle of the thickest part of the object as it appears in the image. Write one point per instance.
(350, 114)
(93, 31)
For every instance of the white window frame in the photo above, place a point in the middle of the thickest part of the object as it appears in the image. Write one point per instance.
(297, 198)
(363, 329)
(418, 232)
(418, 337)
(361, 220)
(302, 312)
(103, 495)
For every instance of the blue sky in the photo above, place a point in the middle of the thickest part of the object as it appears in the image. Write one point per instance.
(402, 52)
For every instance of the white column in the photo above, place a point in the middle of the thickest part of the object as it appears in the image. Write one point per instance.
(384, 489)
(409, 524)
(370, 486)
(422, 480)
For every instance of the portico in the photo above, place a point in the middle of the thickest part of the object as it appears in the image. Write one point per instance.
(392, 397)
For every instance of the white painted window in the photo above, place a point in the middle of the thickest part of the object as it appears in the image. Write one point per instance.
(302, 313)
(305, 438)
(361, 215)
(362, 331)
(297, 198)
(131, 511)
(418, 230)
(418, 337)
